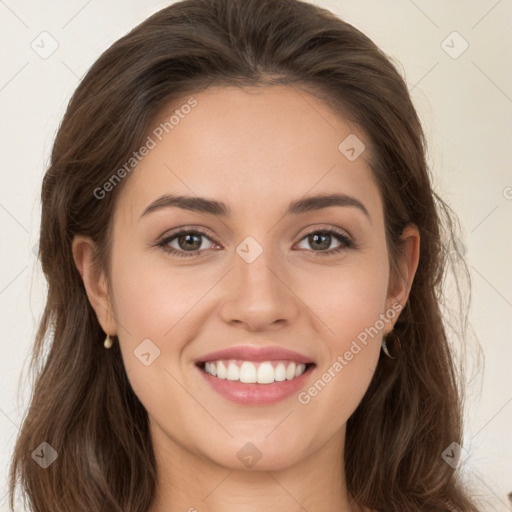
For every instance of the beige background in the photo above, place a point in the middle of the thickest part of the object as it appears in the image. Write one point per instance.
(466, 107)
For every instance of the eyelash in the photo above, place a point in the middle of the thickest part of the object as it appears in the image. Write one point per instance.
(347, 243)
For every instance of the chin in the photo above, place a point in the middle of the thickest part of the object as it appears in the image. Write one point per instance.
(258, 454)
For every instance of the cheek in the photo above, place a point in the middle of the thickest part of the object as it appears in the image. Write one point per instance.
(335, 393)
(151, 298)
(352, 327)
(346, 299)
(155, 308)
(350, 303)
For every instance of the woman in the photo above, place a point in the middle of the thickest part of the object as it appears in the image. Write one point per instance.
(203, 352)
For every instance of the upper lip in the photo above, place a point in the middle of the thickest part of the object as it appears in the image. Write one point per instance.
(257, 354)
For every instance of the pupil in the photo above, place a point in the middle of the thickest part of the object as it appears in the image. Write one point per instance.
(188, 239)
(324, 236)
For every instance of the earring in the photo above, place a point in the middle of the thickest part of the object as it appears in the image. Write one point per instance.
(391, 345)
(108, 342)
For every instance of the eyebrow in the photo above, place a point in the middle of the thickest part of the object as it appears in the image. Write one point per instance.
(214, 207)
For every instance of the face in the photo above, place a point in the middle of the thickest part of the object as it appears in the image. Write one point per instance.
(296, 298)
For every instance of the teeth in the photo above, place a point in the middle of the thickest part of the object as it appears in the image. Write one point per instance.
(280, 372)
(265, 373)
(233, 372)
(248, 373)
(221, 370)
(290, 371)
(251, 373)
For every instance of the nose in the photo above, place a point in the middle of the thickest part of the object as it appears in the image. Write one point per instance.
(257, 295)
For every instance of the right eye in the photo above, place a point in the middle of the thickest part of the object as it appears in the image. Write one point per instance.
(185, 239)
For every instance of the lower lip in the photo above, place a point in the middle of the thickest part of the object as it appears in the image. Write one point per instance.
(256, 394)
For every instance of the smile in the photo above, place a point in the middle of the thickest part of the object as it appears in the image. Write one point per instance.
(255, 375)
(249, 372)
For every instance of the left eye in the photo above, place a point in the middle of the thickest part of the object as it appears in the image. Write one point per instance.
(189, 242)
(323, 238)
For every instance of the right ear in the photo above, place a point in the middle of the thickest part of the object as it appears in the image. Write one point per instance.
(95, 282)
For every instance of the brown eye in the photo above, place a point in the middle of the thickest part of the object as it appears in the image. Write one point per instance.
(189, 241)
(186, 243)
(320, 241)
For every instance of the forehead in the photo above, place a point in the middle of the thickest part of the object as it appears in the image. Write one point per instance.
(253, 148)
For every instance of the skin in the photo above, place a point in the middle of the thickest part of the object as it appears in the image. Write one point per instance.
(256, 150)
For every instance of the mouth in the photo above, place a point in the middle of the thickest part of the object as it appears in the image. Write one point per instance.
(255, 376)
(251, 372)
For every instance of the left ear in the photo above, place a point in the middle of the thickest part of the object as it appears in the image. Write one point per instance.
(400, 285)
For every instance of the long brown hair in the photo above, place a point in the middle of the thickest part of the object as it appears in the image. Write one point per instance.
(82, 404)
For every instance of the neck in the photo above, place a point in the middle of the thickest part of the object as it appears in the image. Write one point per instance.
(189, 482)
